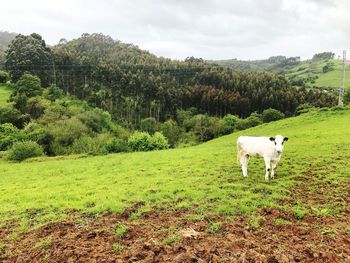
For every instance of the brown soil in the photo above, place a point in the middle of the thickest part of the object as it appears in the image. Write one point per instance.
(173, 237)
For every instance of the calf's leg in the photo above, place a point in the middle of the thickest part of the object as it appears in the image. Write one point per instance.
(267, 164)
(244, 162)
(273, 167)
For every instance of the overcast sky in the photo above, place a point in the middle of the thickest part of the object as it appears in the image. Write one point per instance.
(211, 29)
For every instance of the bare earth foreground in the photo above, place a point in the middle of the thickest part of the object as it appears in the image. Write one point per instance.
(88, 239)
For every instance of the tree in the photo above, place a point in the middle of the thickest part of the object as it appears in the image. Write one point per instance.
(269, 115)
(29, 54)
(28, 85)
(346, 97)
(4, 76)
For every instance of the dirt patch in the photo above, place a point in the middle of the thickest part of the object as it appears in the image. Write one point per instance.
(160, 238)
(273, 236)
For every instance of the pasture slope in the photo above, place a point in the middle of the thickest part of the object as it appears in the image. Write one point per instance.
(186, 205)
(5, 93)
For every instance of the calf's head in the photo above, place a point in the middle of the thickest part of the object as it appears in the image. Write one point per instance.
(278, 141)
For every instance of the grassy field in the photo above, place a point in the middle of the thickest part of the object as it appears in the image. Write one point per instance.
(204, 178)
(314, 68)
(4, 94)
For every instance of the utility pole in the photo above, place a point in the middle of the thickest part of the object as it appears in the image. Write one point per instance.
(342, 84)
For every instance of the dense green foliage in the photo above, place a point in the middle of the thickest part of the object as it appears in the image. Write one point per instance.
(133, 84)
(142, 141)
(23, 150)
(29, 54)
(4, 76)
(271, 115)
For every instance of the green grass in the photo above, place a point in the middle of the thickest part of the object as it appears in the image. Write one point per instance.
(204, 178)
(117, 248)
(314, 68)
(121, 231)
(5, 93)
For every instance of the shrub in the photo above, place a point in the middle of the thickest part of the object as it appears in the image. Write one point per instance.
(270, 114)
(36, 106)
(159, 142)
(14, 116)
(140, 141)
(171, 131)
(37, 133)
(346, 97)
(90, 145)
(116, 145)
(303, 108)
(230, 123)
(9, 134)
(252, 121)
(206, 127)
(64, 133)
(149, 125)
(23, 150)
(53, 93)
(97, 120)
(4, 76)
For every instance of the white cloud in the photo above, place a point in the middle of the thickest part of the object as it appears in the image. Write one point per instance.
(212, 29)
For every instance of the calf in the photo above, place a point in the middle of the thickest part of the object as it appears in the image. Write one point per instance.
(270, 148)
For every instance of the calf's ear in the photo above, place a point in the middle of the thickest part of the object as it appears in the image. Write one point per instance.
(272, 139)
(285, 139)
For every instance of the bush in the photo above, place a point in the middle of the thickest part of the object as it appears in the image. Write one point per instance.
(23, 150)
(252, 121)
(90, 145)
(171, 131)
(159, 142)
(97, 120)
(303, 108)
(230, 123)
(64, 133)
(116, 145)
(53, 93)
(9, 134)
(207, 128)
(149, 125)
(140, 141)
(14, 116)
(36, 106)
(4, 76)
(269, 115)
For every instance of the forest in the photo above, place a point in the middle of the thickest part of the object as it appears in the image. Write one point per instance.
(98, 95)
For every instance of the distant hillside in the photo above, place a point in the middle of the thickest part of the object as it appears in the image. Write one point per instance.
(321, 71)
(5, 40)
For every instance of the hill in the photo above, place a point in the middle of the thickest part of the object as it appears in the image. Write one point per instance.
(320, 73)
(5, 93)
(5, 40)
(148, 199)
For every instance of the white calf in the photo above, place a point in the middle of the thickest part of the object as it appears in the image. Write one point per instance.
(268, 147)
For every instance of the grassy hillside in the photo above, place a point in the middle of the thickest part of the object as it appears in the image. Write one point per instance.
(187, 204)
(205, 178)
(313, 70)
(5, 93)
(310, 71)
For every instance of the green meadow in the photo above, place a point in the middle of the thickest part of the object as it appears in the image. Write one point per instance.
(5, 93)
(205, 179)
